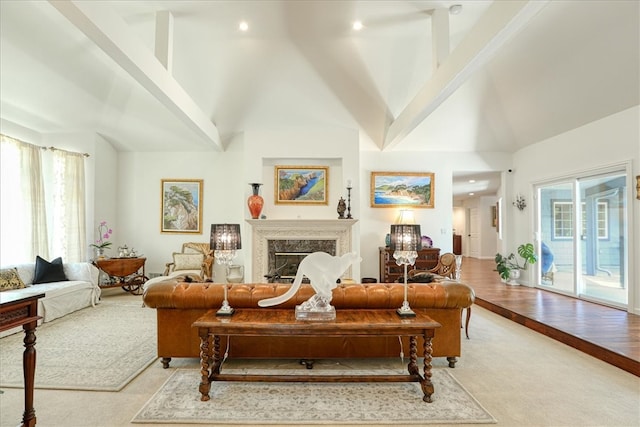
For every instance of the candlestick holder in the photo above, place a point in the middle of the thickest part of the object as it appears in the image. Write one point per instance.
(349, 202)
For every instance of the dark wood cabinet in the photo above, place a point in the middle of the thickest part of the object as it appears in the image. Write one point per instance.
(390, 271)
(457, 244)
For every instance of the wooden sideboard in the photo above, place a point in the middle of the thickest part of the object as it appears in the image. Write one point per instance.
(390, 271)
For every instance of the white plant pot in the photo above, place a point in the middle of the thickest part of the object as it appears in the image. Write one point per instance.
(513, 278)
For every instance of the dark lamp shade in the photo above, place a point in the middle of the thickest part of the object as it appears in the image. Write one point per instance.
(405, 237)
(225, 237)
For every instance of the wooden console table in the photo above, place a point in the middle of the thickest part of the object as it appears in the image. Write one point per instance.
(275, 322)
(21, 310)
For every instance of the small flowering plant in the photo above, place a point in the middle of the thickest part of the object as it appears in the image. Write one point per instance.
(104, 232)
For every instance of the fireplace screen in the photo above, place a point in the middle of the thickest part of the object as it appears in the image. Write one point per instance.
(287, 263)
(285, 256)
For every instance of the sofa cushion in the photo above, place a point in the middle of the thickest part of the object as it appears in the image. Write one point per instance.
(47, 272)
(9, 279)
(182, 261)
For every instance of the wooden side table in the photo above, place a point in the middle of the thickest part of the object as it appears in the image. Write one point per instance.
(21, 310)
(127, 273)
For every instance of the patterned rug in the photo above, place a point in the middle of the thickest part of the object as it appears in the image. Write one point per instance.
(178, 401)
(96, 348)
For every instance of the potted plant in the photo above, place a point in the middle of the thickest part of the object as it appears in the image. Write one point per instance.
(104, 233)
(508, 266)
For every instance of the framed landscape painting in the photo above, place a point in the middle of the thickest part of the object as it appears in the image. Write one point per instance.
(181, 206)
(402, 189)
(300, 185)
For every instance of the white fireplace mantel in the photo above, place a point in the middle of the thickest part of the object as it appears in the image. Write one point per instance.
(263, 230)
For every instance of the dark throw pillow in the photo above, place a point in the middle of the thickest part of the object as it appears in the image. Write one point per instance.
(47, 272)
(421, 278)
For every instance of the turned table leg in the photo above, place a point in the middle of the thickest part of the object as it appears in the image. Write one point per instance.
(427, 385)
(205, 362)
(29, 369)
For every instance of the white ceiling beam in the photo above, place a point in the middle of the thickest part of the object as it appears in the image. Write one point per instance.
(501, 21)
(439, 36)
(164, 39)
(111, 34)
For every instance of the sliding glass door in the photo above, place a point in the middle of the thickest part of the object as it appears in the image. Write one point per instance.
(582, 229)
(603, 245)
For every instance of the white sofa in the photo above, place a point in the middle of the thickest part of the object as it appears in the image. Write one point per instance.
(61, 298)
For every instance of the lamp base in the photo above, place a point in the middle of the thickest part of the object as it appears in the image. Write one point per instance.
(225, 311)
(405, 312)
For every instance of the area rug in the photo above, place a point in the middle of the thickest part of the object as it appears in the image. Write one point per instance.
(96, 348)
(178, 401)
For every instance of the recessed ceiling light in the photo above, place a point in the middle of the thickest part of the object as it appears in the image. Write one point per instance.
(357, 25)
(243, 26)
(472, 194)
(471, 181)
(455, 9)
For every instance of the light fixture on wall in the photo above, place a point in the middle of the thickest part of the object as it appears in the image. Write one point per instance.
(519, 202)
(405, 242)
(225, 241)
(638, 187)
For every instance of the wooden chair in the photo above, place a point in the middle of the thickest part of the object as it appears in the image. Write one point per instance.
(184, 261)
(446, 267)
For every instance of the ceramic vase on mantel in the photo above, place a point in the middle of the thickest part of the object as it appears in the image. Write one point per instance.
(255, 201)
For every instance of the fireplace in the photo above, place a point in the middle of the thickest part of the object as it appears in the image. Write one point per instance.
(300, 237)
(285, 255)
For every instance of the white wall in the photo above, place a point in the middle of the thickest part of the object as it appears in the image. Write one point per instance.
(251, 157)
(608, 141)
(436, 223)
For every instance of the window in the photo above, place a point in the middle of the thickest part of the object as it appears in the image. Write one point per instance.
(563, 220)
(42, 203)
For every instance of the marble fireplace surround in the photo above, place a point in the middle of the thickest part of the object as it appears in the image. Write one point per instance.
(264, 230)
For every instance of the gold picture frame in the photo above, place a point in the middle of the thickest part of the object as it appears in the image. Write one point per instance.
(301, 185)
(638, 187)
(181, 206)
(402, 189)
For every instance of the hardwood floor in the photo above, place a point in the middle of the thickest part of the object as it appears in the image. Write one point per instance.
(606, 333)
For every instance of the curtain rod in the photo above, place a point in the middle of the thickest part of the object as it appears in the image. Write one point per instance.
(66, 151)
(44, 148)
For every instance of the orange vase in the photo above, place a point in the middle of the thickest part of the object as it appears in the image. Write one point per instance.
(255, 201)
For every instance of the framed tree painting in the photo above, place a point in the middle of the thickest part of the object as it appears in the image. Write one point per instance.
(300, 185)
(402, 189)
(181, 206)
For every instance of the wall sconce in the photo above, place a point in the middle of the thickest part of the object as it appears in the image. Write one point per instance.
(225, 241)
(638, 187)
(405, 242)
(519, 202)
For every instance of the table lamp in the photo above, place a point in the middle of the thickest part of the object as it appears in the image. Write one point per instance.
(225, 240)
(405, 242)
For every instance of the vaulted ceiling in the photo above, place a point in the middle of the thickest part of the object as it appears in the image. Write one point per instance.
(497, 76)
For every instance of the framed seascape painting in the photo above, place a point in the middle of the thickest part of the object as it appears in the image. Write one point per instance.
(181, 206)
(300, 185)
(402, 189)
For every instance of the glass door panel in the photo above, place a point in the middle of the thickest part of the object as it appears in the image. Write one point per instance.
(603, 246)
(555, 228)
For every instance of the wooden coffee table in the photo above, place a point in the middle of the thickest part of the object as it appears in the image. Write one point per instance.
(275, 322)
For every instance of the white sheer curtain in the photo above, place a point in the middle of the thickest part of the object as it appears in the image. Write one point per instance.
(23, 224)
(68, 234)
